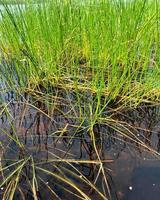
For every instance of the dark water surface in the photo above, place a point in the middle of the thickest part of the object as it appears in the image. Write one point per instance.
(133, 174)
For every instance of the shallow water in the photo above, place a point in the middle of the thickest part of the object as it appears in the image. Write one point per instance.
(132, 174)
(135, 170)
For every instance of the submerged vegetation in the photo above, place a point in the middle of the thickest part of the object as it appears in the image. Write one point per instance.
(76, 64)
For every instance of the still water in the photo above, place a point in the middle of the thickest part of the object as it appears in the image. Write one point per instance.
(133, 170)
(133, 167)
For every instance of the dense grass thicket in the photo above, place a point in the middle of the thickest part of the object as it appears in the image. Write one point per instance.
(107, 48)
(71, 67)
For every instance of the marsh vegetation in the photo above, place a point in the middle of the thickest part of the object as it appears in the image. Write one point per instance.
(79, 87)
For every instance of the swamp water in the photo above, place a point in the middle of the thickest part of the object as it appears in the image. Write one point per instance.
(53, 139)
(132, 167)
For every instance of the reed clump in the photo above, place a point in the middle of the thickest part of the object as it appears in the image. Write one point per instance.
(110, 48)
(80, 61)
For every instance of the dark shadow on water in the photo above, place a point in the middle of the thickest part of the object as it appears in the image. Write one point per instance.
(145, 184)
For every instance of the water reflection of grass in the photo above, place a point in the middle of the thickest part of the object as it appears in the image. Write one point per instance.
(76, 60)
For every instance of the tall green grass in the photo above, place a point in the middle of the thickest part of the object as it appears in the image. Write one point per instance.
(87, 55)
(109, 48)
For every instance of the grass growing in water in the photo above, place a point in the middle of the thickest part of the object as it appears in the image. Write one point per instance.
(91, 54)
(109, 48)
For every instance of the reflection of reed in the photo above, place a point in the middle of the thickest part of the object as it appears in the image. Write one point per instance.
(158, 143)
(59, 134)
